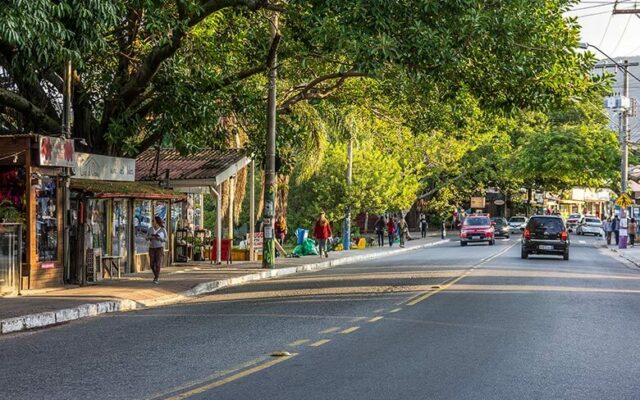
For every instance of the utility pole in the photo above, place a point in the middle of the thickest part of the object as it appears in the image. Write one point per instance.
(268, 251)
(346, 231)
(66, 131)
(624, 134)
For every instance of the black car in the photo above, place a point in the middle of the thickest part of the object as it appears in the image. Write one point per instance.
(545, 234)
(502, 227)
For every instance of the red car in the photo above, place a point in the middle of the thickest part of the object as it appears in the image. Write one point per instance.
(477, 228)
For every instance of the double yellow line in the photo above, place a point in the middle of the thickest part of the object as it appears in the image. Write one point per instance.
(447, 284)
(212, 385)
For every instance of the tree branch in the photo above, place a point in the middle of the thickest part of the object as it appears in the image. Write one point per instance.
(24, 106)
(312, 90)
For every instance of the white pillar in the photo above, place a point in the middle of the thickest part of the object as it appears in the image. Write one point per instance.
(252, 212)
(232, 199)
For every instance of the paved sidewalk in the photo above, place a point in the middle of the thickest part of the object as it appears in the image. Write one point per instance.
(631, 254)
(40, 308)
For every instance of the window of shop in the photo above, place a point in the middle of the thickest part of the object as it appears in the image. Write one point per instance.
(177, 221)
(142, 224)
(160, 210)
(120, 231)
(98, 224)
(46, 220)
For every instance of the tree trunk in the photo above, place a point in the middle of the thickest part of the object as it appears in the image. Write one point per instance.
(366, 221)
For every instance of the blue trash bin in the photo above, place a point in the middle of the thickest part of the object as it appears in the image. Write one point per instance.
(302, 235)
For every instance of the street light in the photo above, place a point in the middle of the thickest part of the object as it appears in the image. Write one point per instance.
(585, 46)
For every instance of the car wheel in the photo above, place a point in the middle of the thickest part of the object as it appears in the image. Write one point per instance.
(508, 236)
(523, 254)
(463, 243)
(565, 256)
(492, 242)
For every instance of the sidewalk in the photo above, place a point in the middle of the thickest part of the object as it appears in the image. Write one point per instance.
(631, 254)
(41, 308)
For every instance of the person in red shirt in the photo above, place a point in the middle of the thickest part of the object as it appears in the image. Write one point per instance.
(391, 230)
(322, 232)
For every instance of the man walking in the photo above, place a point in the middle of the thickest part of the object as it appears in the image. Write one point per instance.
(615, 227)
(379, 228)
(608, 230)
(423, 225)
(391, 231)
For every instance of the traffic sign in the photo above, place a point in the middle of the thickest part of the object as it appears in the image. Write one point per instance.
(624, 200)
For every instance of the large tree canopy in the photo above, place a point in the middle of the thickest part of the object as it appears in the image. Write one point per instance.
(147, 71)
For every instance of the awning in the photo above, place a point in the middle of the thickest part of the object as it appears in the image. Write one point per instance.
(113, 189)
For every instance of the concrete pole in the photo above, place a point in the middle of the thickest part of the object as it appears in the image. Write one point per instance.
(624, 131)
(268, 252)
(252, 212)
(346, 231)
(232, 199)
(217, 192)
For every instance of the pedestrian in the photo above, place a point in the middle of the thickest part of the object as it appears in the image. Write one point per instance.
(608, 230)
(281, 231)
(424, 225)
(157, 237)
(322, 232)
(379, 228)
(615, 227)
(443, 230)
(403, 230)
(391, 231)
(633, 230)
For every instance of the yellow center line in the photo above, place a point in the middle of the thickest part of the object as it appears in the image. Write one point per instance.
(374, 319)
(448, 283)
(349, 330)
(320, 342)
(213, 385)
(298, 342)
(356, 319)
(378, 311)
(331, 330)
(395, 310)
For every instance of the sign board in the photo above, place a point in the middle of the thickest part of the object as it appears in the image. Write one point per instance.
(498, 202)
(56, 152)
(624, 200)
(105, 168)
(477, 202)
(258, 240)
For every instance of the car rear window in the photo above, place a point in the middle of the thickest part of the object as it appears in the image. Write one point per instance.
(517, 219)
(593, 221)
(477, 221)
(574, 216)
(551, 225)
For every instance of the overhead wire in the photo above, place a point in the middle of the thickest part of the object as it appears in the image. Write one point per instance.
(622, 35)
(606, 29)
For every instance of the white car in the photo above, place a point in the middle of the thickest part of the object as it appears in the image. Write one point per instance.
(590, 226)
(517, 224)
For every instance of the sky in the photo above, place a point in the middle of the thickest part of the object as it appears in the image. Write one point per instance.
(617, 35)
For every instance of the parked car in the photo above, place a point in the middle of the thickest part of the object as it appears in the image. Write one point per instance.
(477, 228)
(517, 224)
(590, 226)
(545, 234)
(501, 227)
(573, 221)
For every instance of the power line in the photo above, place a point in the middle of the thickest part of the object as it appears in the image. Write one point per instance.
(606, 29)
(622, 35)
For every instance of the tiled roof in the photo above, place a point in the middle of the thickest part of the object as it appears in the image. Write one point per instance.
(140, 190)
(204, 164)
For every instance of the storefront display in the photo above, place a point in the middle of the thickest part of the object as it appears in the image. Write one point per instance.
(46, 220)
(120, 232)
(98, 224)
(142, 224)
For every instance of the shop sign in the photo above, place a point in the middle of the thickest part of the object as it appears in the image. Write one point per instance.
(477, 202)
(56, 152)
(47, 265)
(98, 167)
(498, 202)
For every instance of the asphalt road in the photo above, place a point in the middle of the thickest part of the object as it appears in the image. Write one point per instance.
(448, 322)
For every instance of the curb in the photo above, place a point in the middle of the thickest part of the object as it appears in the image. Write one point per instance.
(46, 319)
(624, 257)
